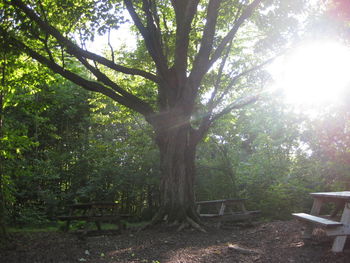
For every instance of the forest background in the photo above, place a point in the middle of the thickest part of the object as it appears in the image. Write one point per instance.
(60, 144)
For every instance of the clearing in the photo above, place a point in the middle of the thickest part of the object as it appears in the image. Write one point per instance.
(278, 241)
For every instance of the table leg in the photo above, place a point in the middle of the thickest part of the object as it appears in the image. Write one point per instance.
(71, 212)
(222, 209)
(198, 209)
(121, 225)
(221, 213)
(315, 210)
(67, 226)
(244, 210)
(339, 241)
(98, 225)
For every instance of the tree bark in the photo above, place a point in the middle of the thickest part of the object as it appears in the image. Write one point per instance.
(177, 165)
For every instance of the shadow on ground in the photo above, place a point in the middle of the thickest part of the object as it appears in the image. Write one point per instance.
(268, 242)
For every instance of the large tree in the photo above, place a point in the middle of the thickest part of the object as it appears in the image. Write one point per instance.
(194, 62)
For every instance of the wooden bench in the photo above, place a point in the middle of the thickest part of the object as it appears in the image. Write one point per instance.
(317, 220)
(97, 212)
(224, 210)
(67, 218)
(339, 228)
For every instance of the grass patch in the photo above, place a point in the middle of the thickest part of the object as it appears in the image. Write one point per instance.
(75, 225)
(32, 229)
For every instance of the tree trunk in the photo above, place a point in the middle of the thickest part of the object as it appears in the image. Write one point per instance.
(177, 166)
(3, 232)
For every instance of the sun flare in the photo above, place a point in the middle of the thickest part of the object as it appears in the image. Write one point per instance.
(314, 73)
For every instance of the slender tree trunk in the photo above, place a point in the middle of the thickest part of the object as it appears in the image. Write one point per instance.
(228, 169)
(3, 232)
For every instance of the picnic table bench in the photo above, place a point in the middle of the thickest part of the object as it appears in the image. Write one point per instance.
(339, 228)
(226, 210)
(96, 212)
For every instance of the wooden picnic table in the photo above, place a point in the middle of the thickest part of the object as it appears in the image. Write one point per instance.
(96, 212)
(340, 228)
(225, 210)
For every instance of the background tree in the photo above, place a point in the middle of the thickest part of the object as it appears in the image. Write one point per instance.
(19, 79)
(253, 154)
(194, 64)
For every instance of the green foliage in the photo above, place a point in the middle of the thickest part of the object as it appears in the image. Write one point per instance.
(60, 144)
(260, 153)
(76, 152)
(59, 149)
(32, 216)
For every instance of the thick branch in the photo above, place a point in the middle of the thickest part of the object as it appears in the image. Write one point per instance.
(231, 34)
(75, 50)
(202, 64)
(151, 40)
(154, 29)
(240, 103)
(210, 118)
(107, 81)
(185, 12)
(202, 59)
(238, 76)
(143, 108)
(217, 84)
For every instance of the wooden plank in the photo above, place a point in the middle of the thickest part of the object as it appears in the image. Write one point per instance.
(94, 204)
(103, 218)
(105, 206)
(124, 215)
(337, 195)
(317, 220)
(338, 231)
(105, 203)
(80, 206)
(239, 216)
(93, 218)
(232, 216)
(209, 215)
(248, 213)
(91, 233)
(254, 212)
(226, 201)
(65, 218)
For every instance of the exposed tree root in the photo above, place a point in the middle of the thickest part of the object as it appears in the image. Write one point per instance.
(195, 225)
(190, 223)
(182, 226)
(163, 218)
(157, 219)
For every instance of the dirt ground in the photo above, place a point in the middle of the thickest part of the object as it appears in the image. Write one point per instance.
(278, 241)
